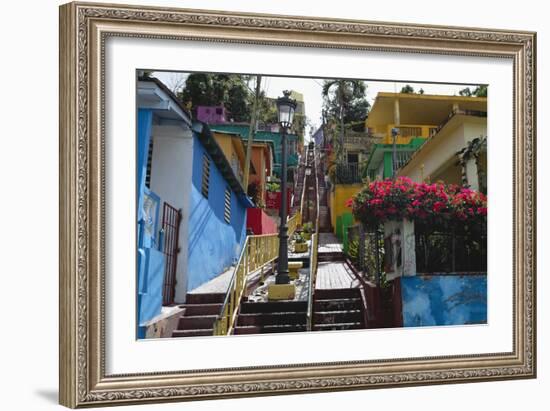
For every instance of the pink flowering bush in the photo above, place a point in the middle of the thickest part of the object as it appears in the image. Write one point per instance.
(433, 207)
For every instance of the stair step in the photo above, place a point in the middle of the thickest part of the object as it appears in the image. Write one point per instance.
(281, 318)
(336, 293)
(338, 326)
(192, 333)
(202, 309)
(274, 307)
(205, 298)
(196, 322)
(337, 304)
(338, 317)
(269, 329)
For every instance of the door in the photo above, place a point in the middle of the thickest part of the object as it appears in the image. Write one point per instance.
(171, 220)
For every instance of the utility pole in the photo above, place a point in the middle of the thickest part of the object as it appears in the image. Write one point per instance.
(251, 131)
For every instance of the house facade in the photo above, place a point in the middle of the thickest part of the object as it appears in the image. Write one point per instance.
(413, 118)
(191, 206)
(266, 136)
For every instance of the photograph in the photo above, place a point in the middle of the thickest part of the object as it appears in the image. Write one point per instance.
(280, 204)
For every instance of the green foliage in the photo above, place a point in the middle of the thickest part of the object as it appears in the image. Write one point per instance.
(307, 227)
(273, 186)
(347, 98)
(408, 89)
(479, 91)
(229, 90)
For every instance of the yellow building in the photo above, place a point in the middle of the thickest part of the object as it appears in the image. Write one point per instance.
(456, 154)
(233, 149)
(415, 118)
(435, 127)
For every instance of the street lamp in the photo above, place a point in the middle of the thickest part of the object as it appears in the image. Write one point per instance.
(394, 134)
(285, 107)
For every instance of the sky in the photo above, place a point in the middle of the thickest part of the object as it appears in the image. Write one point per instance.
(311, 89)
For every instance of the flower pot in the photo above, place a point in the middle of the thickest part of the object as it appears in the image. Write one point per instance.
(300, 247)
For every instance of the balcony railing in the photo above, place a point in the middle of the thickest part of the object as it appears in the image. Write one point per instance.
(349, 173)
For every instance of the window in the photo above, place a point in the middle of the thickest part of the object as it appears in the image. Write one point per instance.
(149, 163)
(227, 206)
(353, 158)
(205, 175)
(219, 111)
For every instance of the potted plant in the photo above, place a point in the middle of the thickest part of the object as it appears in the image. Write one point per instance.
(300, 244)
(307, 230)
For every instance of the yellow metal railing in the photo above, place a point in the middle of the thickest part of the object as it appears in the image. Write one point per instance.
(258, 250)
(293, 223)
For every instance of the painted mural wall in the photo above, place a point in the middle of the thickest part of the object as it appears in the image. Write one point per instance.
(444, 300)
(214, 245)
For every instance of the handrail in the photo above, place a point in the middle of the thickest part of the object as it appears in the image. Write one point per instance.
(293, 223)
(258, 250)
(304, 185)
(313, 259)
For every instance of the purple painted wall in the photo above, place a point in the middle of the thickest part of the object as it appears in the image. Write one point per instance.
(211, 114)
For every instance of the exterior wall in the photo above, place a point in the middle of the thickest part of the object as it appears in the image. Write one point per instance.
(214, 245)
(211, 114)
(443, 147)
(258, 159)
(338, 198)
(444, 300)
(171, 181)
(274, 137)
(150, 260)
(259, 222)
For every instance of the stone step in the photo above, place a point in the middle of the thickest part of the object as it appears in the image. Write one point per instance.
(339, 326)
(274, 307)
(202, 309)
(337, 293)
(337, 304)
(196, 322)
(282, 318)
(338, 317)
(205, 298)
(192, 333)
(269, 329)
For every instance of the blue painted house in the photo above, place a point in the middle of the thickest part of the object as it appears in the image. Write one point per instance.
(191, 216)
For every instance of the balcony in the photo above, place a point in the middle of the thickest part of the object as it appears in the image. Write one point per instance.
(348, 173)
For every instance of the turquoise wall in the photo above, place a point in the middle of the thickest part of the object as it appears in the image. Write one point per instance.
(150, 261)
(444, 300)
(214, 245)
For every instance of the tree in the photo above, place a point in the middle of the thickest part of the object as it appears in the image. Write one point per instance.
(176, 82)
(465, 92)
(345, 101)
(407, 89)
(479, 91)
(229, 90)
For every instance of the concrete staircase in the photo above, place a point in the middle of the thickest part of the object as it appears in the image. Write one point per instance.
(201, 310)
(338, 309)
(271, 317)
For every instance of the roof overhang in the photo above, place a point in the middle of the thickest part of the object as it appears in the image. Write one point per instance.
(419, 108)
(153, 96)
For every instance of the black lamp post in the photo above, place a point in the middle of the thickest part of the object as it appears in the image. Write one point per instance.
(285, 108)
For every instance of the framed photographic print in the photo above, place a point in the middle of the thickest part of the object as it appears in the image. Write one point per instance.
(258, 204)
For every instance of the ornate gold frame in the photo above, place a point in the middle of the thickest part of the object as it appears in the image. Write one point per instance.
(83, 30)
